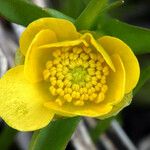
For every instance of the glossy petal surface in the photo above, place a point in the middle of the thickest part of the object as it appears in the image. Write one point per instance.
(21, 103)
(63, 29)
(116, 81)
(91, 110)
(113, 45)
(37, 57)
(99, 48)
(33, 73)
(117, 108)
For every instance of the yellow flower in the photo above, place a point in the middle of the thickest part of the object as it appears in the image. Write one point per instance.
(68, 74)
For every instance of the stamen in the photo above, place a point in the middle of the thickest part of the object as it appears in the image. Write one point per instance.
(77, 76)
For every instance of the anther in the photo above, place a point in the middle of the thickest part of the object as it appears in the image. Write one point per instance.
(104, 88)
(93, 56)
(46, 74)
(59, 102)
(52, 90)
(49, 64)
(100, 98)
(56, 53)
(77, 76)
(73, 94)
(68, 98)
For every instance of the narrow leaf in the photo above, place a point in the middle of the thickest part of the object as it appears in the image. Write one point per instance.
(55, 136)
(115, 4)
(90, 14)
(136, 37)
(23, 12)
(71, 8)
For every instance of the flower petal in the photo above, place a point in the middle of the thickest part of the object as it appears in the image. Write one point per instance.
(42, 38)
(117, 108)
(113, 45)
(63, 29)
(115, 93)
(116, 82)
(37, 57)
(21, 103)
(99, 48)
(70, 110)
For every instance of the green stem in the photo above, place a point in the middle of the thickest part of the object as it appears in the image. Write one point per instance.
(88, 17)
(55, 136)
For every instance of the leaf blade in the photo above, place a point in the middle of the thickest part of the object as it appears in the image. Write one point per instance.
(90, 14)
(23, 12)
(136, 37)
(55, 136)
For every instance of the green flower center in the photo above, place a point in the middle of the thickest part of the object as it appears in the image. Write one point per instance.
(78, 75)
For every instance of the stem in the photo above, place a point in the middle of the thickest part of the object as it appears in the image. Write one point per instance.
(55, 136)
(90, 14)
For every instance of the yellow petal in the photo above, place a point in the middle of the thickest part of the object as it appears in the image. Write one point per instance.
(42, 38)
(21, 103)
(99, 48)
(117, 108)
(91, 110)
(37, 57)
(113, 45)
(63, 29)
(116, 82)
(115, 93)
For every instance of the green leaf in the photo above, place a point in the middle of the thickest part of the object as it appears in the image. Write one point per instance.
(55, 136)
(144, 77)
(136, 37)
(85, 1)
(114, 4)
(6, 137)
(89, 16)
(23, 12)
(71, 8)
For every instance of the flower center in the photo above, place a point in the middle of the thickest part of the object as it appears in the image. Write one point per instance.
(77, 76)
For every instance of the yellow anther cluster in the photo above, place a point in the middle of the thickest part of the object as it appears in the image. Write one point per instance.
(77, 76)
